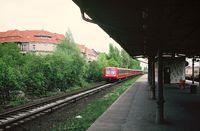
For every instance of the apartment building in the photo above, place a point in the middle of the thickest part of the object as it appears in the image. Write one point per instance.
(37, 41)
(41, 42)
(90, 54)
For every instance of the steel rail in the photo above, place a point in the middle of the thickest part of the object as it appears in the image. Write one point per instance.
(45, 101)
(20, 117)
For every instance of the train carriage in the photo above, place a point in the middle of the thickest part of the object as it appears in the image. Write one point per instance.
(115, 73)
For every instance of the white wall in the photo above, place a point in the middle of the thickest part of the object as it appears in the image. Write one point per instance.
(38, 47)
(177, 68)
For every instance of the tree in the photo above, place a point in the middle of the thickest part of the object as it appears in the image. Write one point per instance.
(125, 59)
(10, 76)
(69, 66)
(134, 64)
(34, 75)
(69, 36)
(114, 56)
(145, 69)
(96, 68)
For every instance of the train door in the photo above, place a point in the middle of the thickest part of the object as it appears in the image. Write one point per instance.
(166, 75)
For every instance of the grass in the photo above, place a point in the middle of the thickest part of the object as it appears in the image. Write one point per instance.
(17, 101)
(93, 110)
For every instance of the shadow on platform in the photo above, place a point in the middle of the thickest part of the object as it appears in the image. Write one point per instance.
(135, 111)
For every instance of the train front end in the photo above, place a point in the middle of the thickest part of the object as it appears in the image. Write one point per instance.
(110, 73)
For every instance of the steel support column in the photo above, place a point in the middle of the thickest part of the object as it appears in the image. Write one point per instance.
(199, 73)
(153, 86)
(160, 102)
(192, 70)
(149, 69)
(193, 87)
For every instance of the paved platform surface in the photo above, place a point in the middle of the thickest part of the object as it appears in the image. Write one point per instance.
(135, 111)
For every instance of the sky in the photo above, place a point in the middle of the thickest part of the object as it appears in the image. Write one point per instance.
(57, 16)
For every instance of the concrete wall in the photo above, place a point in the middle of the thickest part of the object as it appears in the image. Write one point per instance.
(38, 47)
(177, 68)
(46, 48)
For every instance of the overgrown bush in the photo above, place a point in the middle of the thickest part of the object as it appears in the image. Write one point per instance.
(10, 76)
(66, 68)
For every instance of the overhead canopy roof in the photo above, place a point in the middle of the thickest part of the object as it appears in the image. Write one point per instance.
(142, 27)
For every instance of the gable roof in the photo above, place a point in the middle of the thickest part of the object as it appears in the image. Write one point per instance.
(86, 50)
(30, 36)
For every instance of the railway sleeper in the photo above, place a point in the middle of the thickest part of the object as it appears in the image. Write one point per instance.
(41, 110)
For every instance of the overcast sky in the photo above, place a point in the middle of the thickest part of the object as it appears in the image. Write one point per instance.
(55, 16)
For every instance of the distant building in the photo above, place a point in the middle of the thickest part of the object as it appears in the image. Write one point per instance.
(37, 41)
(188, 72)
(41, 42)
(90, 54)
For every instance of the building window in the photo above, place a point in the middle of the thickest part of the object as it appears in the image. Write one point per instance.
(42, 36)
(33, 47)
(23, 47)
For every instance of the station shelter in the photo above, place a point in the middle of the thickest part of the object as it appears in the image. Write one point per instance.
(151, 29)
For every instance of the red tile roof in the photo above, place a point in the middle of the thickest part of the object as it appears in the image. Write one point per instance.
(30, 36)
(86, 50)
(82, 48)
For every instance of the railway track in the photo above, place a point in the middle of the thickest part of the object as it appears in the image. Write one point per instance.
(20, 115)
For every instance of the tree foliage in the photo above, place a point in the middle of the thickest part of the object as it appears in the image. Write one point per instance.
(66, 68)
(10, 77)
(115, 58)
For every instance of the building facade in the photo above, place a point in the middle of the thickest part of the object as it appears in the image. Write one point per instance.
(90, 54)
(37, 41)
(41, 42)
(188, 72)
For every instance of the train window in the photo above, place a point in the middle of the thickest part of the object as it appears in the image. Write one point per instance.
(107, 71)
(110, 71)
(120, 71)
(113, 72)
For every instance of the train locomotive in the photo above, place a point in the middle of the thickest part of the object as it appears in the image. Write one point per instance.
(115, 73)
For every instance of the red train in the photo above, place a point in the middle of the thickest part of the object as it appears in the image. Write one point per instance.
(114, 73)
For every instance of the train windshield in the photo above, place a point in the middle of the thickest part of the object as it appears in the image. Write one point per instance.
(110, 71)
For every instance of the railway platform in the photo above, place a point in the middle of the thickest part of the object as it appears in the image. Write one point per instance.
(135, 111)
